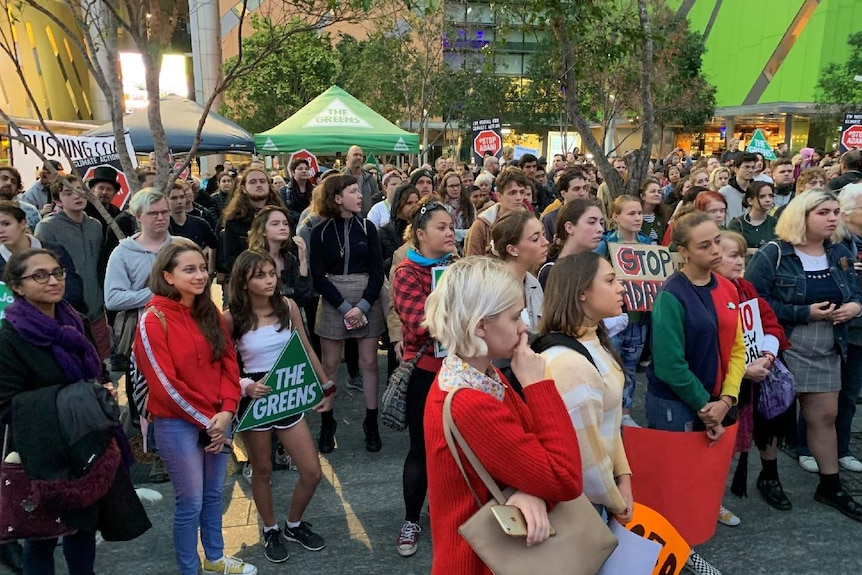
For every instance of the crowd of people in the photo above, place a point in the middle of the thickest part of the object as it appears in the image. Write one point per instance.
(373, 257)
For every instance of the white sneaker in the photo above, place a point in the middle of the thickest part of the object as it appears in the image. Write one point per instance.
(809, 464)
(228, 565)
(728, 517)
(628, 421)
(850, 463)
(246, 471)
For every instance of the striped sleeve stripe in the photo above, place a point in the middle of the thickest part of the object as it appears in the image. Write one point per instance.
(172, 391)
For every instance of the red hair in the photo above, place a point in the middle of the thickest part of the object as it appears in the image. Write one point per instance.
(704, 198)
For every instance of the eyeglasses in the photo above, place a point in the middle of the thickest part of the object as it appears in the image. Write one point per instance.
(453, 186)
(162, 213)
(42, 277)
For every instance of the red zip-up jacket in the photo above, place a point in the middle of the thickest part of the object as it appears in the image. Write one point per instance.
(177, 363)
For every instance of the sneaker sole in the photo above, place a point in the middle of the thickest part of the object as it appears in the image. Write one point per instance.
(407, 552)
(292, 540)
(271, 560)
(730, 524)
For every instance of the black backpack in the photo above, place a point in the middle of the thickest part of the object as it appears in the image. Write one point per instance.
(540, 344)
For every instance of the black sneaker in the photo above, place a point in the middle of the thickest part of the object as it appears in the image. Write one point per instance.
(372, 438)
(326, 439)
(304, 536)
(273, 547)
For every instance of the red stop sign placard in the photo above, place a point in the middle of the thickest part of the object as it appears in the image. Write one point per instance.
(123, 195)
(487, 141)
(313, 166)
(852, 137)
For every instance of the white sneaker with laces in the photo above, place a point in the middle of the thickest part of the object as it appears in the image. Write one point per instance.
(850, 463)
(228, 565)
(809, 464)
(408, 539)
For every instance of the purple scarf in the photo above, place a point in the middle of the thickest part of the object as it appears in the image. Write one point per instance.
(63, 334)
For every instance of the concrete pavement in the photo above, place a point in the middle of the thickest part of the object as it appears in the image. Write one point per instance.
(359, 509)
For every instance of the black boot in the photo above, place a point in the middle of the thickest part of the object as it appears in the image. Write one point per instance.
(326, 439)
(372, 436)
(772, 492)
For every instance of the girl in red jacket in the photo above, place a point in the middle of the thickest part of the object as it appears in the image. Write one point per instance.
(531, 447)
(184, 352)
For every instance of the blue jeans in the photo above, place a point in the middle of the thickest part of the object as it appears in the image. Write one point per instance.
(198, 480)
(851, 386)
(79, 549)
(671, 415)
(629, 343)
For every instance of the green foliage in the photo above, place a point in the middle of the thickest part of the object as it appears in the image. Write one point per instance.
(366, 72)
(837, 90)
(288, 77)
(682, 95)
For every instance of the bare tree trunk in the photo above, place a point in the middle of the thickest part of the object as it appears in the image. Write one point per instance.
(573, 110)
(639, 161)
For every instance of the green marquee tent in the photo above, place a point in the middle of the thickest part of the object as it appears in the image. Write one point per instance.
(333, 122)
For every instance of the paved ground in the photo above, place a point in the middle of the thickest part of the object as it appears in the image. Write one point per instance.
(358, 509)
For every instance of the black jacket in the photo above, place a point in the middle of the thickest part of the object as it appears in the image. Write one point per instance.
(850, 177)
(28, 369)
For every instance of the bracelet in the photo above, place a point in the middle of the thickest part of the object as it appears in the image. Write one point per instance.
(728, 403)
(329, 388)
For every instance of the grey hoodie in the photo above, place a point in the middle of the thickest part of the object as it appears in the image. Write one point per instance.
(126, 277)
(82, 241)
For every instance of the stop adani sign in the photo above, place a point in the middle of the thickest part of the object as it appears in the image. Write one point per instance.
(487, 141)
(294, 387)
(852, 137)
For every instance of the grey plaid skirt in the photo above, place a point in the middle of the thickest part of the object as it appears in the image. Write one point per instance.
(814, 360)
(330, 322)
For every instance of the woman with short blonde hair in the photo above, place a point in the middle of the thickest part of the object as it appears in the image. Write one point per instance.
(810, 282)
(531, 447)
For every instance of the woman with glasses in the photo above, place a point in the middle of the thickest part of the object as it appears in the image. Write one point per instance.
(432, 243)
(43, 345)
(452, 193)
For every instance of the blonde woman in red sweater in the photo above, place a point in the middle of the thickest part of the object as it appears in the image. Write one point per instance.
(531, 447)
(184, 351)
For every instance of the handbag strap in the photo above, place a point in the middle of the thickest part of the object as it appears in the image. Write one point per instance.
(452, 435)
(422, 349)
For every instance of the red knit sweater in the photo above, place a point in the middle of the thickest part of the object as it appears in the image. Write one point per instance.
(184, 358)
(531, 447)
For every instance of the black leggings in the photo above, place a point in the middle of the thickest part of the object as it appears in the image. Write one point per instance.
(415, 478)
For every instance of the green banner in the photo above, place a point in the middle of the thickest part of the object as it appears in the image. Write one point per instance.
(294, 384)
(6, 298)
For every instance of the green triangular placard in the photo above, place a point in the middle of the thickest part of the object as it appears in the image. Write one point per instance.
(294, 384)
(758, 144)
(400, 146)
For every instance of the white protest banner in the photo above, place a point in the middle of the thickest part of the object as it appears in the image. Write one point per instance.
(752, 329)
(86, 153)
(635, 555)
(642, 269)
(294, 384)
